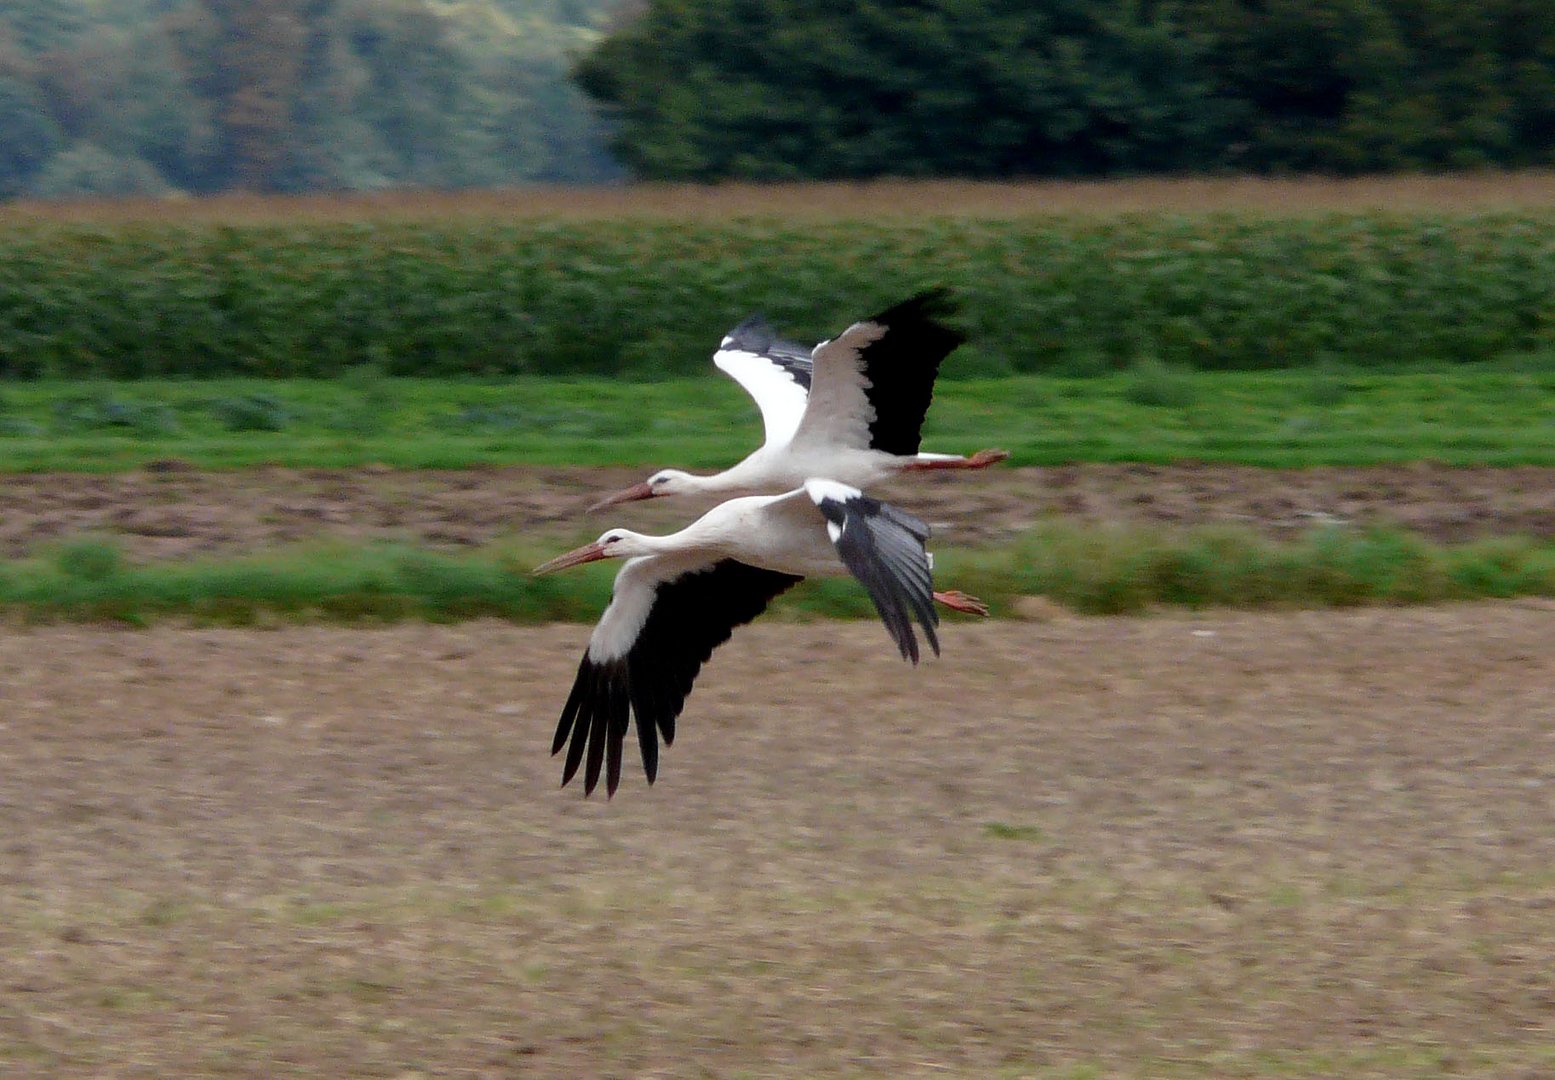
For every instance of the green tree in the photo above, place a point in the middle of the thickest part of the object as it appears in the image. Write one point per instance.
(28, 135)
(86, 169)
(292, 95)
(246, 59)
(787, 88)
(839, 88)
(1350, 85)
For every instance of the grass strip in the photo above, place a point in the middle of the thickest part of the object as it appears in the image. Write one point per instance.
(1500, 414)
(1108, 570)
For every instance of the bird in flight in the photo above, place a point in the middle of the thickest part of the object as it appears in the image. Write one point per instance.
(680, 596)
(850, 410)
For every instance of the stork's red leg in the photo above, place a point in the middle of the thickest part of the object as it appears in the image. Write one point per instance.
(980, 460)
(956, 600)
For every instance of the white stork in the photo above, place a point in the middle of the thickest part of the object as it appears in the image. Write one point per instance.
(852, 409)
(680, 596)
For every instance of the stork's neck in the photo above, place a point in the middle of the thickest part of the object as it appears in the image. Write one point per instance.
(751, 476)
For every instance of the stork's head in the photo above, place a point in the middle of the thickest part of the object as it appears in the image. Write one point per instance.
(664, 482)
(613, 544)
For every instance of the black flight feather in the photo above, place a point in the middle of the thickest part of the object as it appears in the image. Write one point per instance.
(901, 365)
(691, 616)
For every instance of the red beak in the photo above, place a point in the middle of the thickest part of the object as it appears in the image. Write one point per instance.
(643, 490)
(587, 553)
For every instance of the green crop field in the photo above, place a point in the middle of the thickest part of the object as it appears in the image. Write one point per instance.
(1499, 415)
(646, 297)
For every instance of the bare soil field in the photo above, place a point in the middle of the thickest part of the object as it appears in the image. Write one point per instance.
(1233, 845)
(1463, 192)
(171, 512)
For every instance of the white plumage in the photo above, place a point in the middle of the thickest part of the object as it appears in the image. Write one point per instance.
(851, 409)
(680, 596)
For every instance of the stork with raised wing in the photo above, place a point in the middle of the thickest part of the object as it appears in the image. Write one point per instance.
(852, 409)
(680, 596)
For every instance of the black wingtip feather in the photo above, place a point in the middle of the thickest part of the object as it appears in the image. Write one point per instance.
(691, 616)
(901, 366)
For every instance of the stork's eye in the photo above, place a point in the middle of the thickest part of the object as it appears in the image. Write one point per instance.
(611, 539)
(659, 480)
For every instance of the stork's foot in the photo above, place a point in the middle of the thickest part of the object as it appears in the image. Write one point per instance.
(980, 460)
(984, 458)
(960, 601)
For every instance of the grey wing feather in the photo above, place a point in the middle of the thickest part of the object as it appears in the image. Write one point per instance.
(883, 548)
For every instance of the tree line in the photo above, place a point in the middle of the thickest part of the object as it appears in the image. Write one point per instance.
(787, 89)
(156, 96)
(153, 96)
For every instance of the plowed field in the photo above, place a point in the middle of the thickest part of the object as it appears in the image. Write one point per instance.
(1312, 844)
(168, 512)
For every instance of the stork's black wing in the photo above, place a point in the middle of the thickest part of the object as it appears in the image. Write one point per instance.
(873, 383)
(664, 621)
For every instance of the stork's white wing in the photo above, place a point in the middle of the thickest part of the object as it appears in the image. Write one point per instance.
(774, 372)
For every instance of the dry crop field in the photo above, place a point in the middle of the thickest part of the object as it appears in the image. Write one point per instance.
(1489, 190)
(1232, 845)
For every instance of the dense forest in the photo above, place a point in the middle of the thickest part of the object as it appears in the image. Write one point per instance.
(784, 89)
(116, 96)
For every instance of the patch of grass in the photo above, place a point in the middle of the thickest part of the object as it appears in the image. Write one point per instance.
(1159, 385)
(1497, 415)
(165, 912)
(1093, 570)
(88, 560)
(1326, 387)
(333, 583)
(999, 830)
(252, 412)
(101, 412)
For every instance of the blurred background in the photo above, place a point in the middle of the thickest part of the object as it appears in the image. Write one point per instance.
(114, 97)
(322, 321)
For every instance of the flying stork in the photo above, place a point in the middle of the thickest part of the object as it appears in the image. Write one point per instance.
(680, 596)
(851, 409)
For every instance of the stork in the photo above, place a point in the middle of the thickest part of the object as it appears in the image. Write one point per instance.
(680, 596)
(851, 410)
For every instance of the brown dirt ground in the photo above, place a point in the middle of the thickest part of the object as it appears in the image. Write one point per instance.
(1233, 845)
(176, 512)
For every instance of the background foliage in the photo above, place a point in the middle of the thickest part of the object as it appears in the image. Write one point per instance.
(780, 89)
(159, 96)
(150, 96)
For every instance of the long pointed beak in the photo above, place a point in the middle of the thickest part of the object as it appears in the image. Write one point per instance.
(643, 490)
(587, 553)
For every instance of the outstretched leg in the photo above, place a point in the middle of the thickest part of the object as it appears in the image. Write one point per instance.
(960, 601)
(980, 460)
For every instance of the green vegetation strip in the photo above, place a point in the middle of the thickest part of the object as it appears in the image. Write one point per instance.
(1088, 570)
(470, 296)
(1485, 415)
